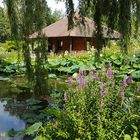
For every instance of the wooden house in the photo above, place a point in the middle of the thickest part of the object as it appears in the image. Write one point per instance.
(75, 39)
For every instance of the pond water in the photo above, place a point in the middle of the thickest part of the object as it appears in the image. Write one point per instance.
(9, 121)
(16, 110)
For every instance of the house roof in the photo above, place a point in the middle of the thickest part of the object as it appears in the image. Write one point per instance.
(60, 29)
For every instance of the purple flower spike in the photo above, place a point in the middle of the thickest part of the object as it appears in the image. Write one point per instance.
(122, 94)
(70, 80)
(129, 80)
(124, 83)
(104, 93)
(103, 86)
(81, 72)
(91, 72)
(109, 72)
(82, 81)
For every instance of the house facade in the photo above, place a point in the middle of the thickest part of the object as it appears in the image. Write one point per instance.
(75, 39)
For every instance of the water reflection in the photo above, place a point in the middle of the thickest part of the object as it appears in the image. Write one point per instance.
(8, 122)
(19, 107)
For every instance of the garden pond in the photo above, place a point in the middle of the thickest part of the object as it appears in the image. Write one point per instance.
(20, 109)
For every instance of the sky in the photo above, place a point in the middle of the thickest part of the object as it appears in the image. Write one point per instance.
(0, 2)
(53, 5)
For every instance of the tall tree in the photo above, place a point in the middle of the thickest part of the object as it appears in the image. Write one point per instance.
(113, 13)
(26, 16)
(4, 25)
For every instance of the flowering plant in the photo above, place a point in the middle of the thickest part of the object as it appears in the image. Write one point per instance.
(99, 106)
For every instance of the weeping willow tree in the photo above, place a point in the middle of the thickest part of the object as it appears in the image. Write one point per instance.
(116, 14)
(26, 16)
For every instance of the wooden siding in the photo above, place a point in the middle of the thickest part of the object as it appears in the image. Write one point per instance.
(79, 43)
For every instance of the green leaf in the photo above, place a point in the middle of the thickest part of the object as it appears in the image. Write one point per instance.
(135, 138)
(4, 79)
(127, 137)
(37, 138)
(117, 62)
(34, 128)
(114, 57)
(135, 128)
(52, 76)
(136, 74)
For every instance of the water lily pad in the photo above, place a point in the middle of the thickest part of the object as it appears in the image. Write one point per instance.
(52, 76)
(4, 79)
(136, 74)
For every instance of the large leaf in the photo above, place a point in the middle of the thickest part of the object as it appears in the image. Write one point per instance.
(127, 137)
(4, 79)
(136, 74)
(117, 62)
(34, 128)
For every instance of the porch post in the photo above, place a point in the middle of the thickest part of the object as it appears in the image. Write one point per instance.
(70, 44)
(54, 45)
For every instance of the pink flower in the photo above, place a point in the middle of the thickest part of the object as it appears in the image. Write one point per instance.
(70, 80)
(91, 72)
(82, 81)
(81, 72)
(104, 93)
(103, 86)
(129, 80)
(122, 95)
(109, 72)
(124, 83)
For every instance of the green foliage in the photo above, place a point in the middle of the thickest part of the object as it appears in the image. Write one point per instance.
(4, 25)
(97, 109)
(30, 130)
(116, 14)
(70, 64)
(8, 52)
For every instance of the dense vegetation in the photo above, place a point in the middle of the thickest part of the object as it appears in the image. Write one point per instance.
(101, 99)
